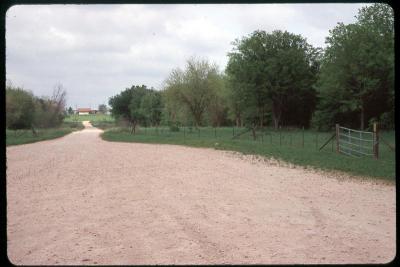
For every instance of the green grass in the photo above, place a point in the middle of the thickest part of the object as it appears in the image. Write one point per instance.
(20, 137)
(104, 125)
(90, 117)
(286, 146)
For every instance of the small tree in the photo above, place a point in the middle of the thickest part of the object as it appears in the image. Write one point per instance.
(151, 107)
(49, 112)
(70, 111)
(194, 87)
(102, 108)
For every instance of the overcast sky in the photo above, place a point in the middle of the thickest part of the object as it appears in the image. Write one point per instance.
(96, 51)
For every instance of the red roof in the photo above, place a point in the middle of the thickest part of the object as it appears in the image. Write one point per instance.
(84, 109)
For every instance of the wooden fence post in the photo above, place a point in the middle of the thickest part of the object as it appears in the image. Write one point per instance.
(337, 138)
(376, 140)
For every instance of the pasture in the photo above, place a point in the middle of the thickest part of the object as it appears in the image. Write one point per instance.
(90, 117)
(294, 146)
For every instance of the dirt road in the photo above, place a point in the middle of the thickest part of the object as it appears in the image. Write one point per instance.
(82, 200)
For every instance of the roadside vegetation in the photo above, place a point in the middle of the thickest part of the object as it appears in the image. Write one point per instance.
(284, 144)
(274, 81)
(30, 118)
(23, 136)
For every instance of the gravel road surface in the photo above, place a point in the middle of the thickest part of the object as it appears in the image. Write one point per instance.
(81, 200)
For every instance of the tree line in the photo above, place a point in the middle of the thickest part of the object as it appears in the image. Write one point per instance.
(27, 111)
(279, 79)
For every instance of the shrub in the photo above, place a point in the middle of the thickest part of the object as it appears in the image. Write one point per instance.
(174, 128)
(19, 108)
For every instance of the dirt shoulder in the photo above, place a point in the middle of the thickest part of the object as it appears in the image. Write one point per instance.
(82, 200)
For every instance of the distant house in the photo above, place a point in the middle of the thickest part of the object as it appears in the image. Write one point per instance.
(83, 111)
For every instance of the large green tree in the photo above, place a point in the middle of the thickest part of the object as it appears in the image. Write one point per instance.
(267, 70)
(127, 105)
(357, 73)
(193, 88)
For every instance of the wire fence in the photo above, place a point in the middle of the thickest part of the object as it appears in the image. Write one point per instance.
(289, 137)
(349, 142)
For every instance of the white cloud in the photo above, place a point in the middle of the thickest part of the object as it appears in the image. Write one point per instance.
(98, 50)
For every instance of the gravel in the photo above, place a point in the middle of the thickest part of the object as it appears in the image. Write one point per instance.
(81, 200)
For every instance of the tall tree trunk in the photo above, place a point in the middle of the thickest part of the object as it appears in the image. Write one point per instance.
(133, 127)
(33, 130)
(276, 123)
(261, 112)
(277, 105)
(253, 130)
(362, 119)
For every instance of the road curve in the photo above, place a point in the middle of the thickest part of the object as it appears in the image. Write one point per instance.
(81, 200)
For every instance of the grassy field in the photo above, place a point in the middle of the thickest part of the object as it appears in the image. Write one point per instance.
(90, 117)
(286, 145)
(26, 136)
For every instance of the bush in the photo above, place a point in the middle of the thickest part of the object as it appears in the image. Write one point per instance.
(174, 128)
(19, 108)
(47, 113)
(386, 121)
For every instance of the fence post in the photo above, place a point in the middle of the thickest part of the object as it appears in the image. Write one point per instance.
(233, 130)
(199, 131)
(337, 138)
(376, 140)
(302, 141)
